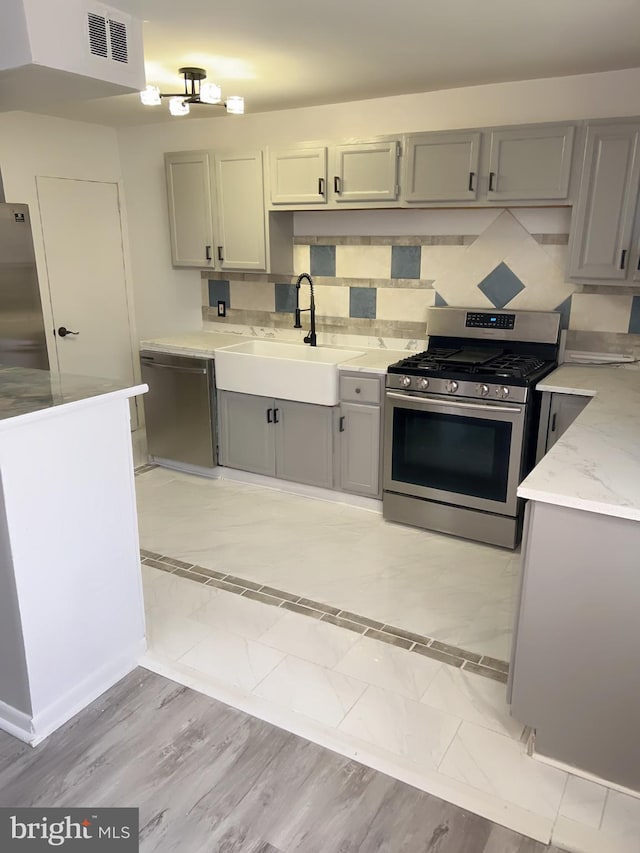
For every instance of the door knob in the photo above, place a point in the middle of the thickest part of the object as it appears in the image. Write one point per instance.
(62, 332)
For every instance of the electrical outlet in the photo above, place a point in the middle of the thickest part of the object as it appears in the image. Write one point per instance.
(222, 308)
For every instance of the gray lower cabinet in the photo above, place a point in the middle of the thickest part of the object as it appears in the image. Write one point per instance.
(359, 434)
(574, 665)
(246, 432)
(558, 412)
(278, 438)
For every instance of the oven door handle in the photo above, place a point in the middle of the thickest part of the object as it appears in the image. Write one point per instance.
(457, 403)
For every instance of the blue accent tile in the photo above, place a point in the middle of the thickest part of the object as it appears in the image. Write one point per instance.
(322, 260)
(564, 309)
(405, 262)
(634, 319)
(501, 286)
(362, 302)
(286, 297)
(219, 292)
(439, 301)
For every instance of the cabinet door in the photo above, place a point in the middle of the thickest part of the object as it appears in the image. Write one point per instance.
(298, 176)
(304, 443)
(603, 217)
(360, 449)
(441, 167)
(241, 215)
(530, 163)
(246, 432)
(365, 172)
(190, 208)
(565, 408)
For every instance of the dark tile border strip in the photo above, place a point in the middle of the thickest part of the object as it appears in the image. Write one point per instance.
(488, 667)
(142, 469)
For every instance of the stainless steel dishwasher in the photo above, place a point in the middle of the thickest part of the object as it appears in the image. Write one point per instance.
(179, 407)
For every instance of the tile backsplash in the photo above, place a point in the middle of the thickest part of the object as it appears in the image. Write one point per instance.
(381, 286)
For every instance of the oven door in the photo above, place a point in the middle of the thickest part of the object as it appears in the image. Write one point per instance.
(462, 452)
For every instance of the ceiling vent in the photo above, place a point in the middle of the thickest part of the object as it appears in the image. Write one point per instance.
(75, 50)
(108, 36)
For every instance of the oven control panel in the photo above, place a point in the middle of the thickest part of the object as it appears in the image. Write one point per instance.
(488, 320)
(447, 388)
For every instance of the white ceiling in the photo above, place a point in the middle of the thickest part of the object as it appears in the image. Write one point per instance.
(281, 54)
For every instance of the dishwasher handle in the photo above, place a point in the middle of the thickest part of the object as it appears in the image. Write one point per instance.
(150, 363)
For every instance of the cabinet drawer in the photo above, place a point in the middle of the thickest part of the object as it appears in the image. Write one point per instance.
(359, 390)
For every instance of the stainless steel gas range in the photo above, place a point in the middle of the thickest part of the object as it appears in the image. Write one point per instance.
(461, 421)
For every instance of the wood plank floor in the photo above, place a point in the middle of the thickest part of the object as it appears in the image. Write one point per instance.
(208, 777)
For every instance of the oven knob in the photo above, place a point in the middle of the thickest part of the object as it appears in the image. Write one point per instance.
(452, 386)
(502, 392)
(405, 381)
(482, 390)
(423, 384)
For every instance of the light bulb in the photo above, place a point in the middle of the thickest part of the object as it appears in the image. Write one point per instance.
(178, 107)
(210, 93)
(235, 104)
(151, 96)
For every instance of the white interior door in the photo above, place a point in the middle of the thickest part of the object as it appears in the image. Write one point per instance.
(84, 253)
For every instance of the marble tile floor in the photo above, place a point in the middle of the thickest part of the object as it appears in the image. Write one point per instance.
(431, 725)
(460, 593)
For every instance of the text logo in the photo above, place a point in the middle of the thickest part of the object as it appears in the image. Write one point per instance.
(33, 830)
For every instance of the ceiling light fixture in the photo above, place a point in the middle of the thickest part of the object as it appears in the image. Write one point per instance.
(195, 92)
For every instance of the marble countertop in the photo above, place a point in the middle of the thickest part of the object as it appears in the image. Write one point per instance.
(25, 392)
(205, 344)
(595, 465)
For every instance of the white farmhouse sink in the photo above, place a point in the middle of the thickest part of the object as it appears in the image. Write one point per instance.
(287, 371)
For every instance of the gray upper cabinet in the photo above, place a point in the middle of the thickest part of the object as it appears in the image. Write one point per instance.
(190, 208)
(602, 247)
(240, 207)
(365, 172)
(441, 167)
(217, 216)
(298, 176)
(530, 163)
(335, 175)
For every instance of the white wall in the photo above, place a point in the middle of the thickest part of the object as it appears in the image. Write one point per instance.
(168, 300)
(32, 145)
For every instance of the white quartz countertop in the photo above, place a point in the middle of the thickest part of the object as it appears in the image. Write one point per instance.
(595, 465)
(206, 343)
(26, 393)
(202, 344)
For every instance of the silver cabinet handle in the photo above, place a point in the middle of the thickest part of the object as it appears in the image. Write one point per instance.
(173, 367)
(457, 403)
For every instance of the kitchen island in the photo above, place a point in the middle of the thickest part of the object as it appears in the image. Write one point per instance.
(574, 674)
(71, 608)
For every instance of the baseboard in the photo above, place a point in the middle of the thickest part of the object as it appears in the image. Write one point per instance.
(15, 722)
(583, 774)
(33, 730)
